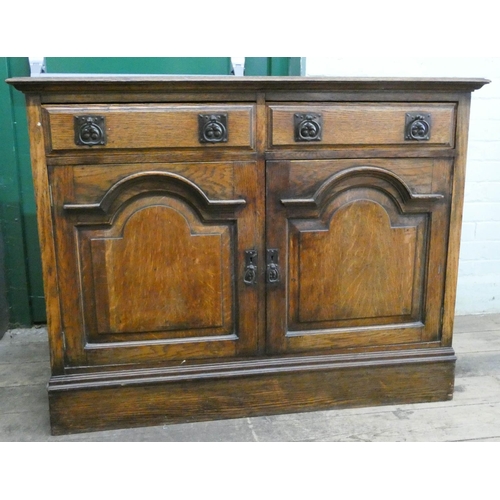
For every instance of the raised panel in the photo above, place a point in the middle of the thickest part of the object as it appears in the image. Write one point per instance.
(359, 268)
(158, 269)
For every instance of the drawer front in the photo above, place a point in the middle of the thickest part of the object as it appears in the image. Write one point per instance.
(408, 124)
(149, 126)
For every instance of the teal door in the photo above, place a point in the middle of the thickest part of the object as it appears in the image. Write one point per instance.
(254, 66)
(22, 268)
(23, 276)
(140, 65)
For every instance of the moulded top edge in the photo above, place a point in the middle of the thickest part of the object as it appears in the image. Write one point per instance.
(179, 83)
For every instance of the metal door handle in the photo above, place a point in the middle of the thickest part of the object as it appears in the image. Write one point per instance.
(272, 268)
(250, 276)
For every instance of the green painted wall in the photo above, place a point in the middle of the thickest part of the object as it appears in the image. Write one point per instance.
(140, 65)
(272, 66)
(17, 205)
(254, 66)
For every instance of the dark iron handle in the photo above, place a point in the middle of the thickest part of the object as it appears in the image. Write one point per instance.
(308, 127)
(272, 268)
(250, 276)
(90, 130)
(213, 128)
(417, 126)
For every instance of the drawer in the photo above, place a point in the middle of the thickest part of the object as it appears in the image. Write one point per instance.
(387, 124)
(149, 126)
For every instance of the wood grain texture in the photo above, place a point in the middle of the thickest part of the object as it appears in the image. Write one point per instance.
(150, 126)
(46, 233)
(360, 124)
(149, 85)
(91, 182)
(155, 267)
(249, 389)
(420, 175)
(147, 278)
(455, 228)
(363, 255)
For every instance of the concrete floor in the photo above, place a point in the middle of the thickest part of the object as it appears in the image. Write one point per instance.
(472, 415)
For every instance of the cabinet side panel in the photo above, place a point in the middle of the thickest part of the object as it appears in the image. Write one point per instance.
(457, 204)
(45, 230)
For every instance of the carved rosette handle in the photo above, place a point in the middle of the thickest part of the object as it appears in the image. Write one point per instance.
(90, 131)
(213, 128)
(418, 127)
(308, 127)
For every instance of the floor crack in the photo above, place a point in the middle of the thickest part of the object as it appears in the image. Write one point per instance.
(250, 425)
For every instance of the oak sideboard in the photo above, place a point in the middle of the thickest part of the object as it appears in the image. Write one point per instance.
(223, 247)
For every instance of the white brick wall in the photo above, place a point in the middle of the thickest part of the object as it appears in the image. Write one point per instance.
(479, 270)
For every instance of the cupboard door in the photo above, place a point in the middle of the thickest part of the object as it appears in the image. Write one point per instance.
(360, 247)
(153, 269)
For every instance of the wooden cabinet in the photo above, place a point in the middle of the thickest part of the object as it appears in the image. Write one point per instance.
(227, 247)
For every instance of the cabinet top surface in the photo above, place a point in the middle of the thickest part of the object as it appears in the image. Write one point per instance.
(103, 83)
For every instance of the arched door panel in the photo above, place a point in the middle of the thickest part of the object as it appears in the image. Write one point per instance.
(359, 259)
(159, 267)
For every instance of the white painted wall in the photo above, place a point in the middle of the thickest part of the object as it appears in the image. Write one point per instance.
(479, 272)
